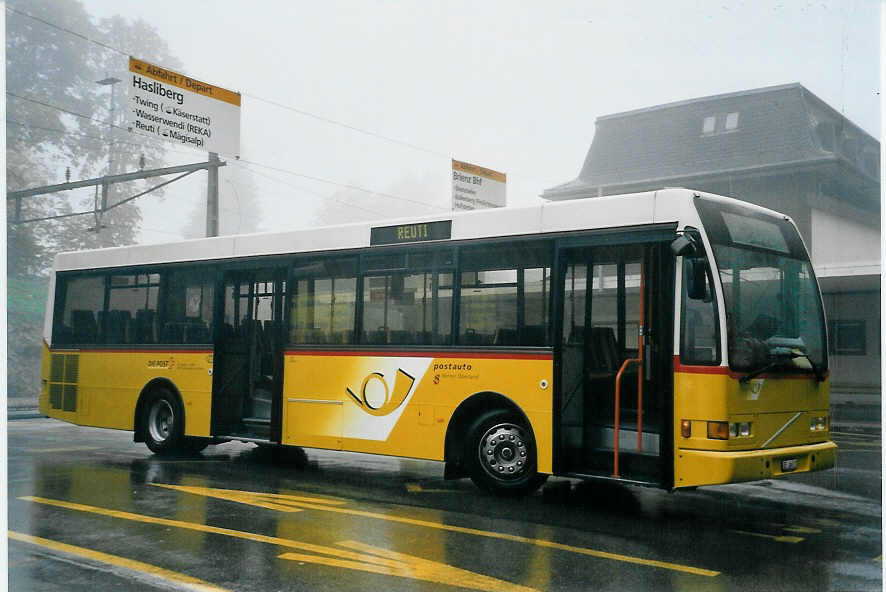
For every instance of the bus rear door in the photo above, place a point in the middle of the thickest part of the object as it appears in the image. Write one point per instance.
(247, 383)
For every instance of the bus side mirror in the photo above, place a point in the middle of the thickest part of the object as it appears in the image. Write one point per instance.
(696, 281)
(683, 246)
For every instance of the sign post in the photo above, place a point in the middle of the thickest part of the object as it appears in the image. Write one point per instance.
(475, 187)
(176, 108)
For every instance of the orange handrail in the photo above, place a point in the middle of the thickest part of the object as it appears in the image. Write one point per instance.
(624, 365)
(621, 370)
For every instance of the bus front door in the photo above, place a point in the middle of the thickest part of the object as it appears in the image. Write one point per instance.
(247, 383)
(615, 371)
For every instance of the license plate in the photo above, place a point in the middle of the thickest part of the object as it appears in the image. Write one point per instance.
(789, 464)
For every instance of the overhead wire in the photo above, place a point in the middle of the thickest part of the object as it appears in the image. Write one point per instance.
(254, 96)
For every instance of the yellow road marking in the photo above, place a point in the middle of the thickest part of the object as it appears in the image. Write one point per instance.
(225, 494)
(409, 566)
(380, 561)
(187, 581)
(802, 529)
(779, 539)
(878, 559)
(69, 449)
(273, 501)
(417, 488)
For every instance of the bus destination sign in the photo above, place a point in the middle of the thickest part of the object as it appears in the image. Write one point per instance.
(410, 233)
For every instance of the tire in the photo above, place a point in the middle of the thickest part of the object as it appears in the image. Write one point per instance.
(500, 455)
(164, 421)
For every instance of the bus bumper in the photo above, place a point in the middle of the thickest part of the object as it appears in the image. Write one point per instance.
(708, 467)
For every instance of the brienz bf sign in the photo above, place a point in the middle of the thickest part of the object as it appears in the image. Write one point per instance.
(475, 187)
(174, 107)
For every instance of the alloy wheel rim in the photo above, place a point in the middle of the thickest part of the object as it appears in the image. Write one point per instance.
(504, 452)
(160, 420)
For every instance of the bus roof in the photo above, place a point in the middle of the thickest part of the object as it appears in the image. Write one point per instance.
(654, 207)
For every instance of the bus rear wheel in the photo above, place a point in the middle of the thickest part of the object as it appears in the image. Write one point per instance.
(500, 455)
(164, 423)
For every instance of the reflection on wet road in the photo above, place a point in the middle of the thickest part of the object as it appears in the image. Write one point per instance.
(90, 508)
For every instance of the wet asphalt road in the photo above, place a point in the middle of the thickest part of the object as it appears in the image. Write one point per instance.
(91, 510)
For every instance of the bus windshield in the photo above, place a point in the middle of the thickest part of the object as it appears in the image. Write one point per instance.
(774, 317)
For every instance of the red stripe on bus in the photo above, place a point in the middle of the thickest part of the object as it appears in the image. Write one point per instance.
(726, 371)
(427, 354)
(133, 351)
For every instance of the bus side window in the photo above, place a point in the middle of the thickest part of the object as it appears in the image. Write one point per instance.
(505, 293)
(187, 304)
(132, 309)
(79, 312)
(699, 331)
(323, 302)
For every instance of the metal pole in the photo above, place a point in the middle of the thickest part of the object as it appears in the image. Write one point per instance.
(212, 197)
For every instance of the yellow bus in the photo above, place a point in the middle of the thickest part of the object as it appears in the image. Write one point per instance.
(670, 338)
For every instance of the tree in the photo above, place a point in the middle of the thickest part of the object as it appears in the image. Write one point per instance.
(47, 67)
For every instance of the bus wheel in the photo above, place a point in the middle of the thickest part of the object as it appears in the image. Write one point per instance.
(164, 423)
(500, 455)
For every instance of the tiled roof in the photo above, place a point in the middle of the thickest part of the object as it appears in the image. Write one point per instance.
(775, 126)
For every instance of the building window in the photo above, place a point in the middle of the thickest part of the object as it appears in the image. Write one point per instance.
(731, 121)
(710, 124)
(847, 338)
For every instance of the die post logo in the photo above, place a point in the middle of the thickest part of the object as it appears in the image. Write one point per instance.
(376, 397)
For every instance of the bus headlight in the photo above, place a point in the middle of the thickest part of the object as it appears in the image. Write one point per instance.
(744, 429)
(818, 424)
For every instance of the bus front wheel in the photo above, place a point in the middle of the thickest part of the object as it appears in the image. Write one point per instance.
(164, 423)
(500, 455)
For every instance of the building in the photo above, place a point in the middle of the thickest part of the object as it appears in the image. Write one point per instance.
(780, 147)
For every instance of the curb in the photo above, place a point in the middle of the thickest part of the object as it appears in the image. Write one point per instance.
(29, 412)
(854, 428)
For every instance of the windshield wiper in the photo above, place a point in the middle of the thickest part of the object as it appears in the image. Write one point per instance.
(816, 369)
(783, 356)
(754, 373)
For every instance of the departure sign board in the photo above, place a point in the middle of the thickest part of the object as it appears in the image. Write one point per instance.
(411, 233)
(172, 107)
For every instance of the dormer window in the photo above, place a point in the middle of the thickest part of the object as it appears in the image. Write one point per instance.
(709, 125)
(731, 121)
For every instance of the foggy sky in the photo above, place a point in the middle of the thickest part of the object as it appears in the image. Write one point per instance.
(514, 87)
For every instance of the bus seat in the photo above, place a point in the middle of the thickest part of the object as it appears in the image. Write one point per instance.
(533, 335)
(379, 336)
(196, 333)
(145, 326)
(577, 335)
(471, 337)
(116, 327)
(399, 337)
(505, 337)
(173, 333)
(603, 350)
(85, 329)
